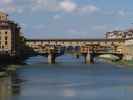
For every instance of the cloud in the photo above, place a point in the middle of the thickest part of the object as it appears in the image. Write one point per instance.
(44, 5)
(9, 9)
(53, 5)
(8, 6)
(68, 6)
(89, 9)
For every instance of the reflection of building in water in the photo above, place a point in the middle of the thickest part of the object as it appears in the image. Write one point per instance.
(9, 86)
(5, 88)
(15, 84)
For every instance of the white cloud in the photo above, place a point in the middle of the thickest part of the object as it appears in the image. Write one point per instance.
(49, 5)
(7, 6)
(89, 9)
(37, 4)
(68, 6)
(9, 9)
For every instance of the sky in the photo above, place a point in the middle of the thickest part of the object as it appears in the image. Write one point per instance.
(69, 18)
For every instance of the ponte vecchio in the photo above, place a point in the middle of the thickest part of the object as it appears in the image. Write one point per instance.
(89, 48)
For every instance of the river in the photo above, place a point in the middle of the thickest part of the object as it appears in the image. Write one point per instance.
(68, 79)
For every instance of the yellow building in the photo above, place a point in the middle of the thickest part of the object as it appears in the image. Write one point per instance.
(9, 35)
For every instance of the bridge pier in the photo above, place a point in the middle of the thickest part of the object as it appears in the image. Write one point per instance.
(51, 58)
(89, 59)
(77, 56)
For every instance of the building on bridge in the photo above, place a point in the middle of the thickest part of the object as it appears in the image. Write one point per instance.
(9, 35)
(87, 47)
(127, 36)
(128, 49)
(115, 35)
(120, 34)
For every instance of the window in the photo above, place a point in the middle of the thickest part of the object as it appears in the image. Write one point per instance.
(2, 47)
(6, 37)
(5, 42)
(6, 32)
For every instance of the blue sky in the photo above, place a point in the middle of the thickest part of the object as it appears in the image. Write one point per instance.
(69, 18)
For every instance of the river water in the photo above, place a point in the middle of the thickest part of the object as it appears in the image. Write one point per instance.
(68, 79)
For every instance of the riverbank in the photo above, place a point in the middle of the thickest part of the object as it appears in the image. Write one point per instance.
(123, 62)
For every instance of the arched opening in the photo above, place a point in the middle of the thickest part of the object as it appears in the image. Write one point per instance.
(109, 57)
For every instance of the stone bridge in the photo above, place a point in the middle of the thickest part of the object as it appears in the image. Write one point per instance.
(89, 48)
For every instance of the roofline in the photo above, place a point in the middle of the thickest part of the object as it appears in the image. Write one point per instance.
(76, 39)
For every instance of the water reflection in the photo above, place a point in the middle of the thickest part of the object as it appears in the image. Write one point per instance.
(67, 81)
(9, 86)
(16, 83)
(5, 88)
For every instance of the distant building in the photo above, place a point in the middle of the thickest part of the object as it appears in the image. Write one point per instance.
(120, 34)
(9, 35)
(129, 33)
(128, 45)
(115, 35)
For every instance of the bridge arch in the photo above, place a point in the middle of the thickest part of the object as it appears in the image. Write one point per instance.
(111, 56)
